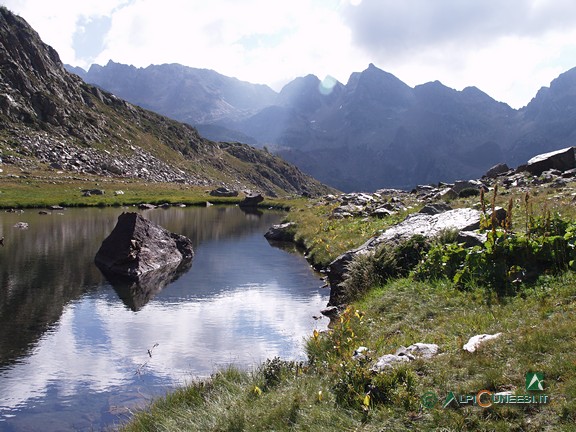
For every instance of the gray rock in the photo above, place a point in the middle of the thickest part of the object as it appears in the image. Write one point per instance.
(403, 355)
(281, 232)
(223, 192)
(21, 225)
(497, 170)
(448, 194)
(460, 185)
(426, 225)
(561, 160)
(382, 212)
(251, 201)
(435, 208)
(471, 238)
(388, 361)
(137, 246)
(145, 206)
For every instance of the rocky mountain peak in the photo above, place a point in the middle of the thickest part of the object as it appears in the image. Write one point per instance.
(34, 85)
(52, 120)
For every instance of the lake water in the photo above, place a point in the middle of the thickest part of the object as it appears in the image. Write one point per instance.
(77, 353)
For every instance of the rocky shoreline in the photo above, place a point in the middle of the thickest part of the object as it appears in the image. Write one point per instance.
(550, 170)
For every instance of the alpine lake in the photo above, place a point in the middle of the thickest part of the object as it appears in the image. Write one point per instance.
(79, 352)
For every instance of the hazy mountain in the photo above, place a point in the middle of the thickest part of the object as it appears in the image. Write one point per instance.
(187, 94)
(375, 131)
(50, 119)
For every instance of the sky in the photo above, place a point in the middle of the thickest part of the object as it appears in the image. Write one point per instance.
(507, 48)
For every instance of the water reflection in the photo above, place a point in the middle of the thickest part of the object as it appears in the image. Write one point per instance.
(136, 292)
(74, 347)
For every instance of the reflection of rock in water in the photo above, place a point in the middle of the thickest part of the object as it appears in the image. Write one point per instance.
(251, 211)
(136, 292)
(287, 246)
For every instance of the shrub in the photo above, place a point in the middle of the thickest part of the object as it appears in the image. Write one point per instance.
(375, 268)
(468, 192)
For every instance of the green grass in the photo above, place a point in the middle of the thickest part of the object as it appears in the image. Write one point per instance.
(329, 392)
(539, 334)
(38, 190)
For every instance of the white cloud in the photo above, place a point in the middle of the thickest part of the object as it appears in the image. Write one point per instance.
(508, 49)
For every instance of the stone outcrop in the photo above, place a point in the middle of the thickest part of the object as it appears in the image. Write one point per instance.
(562, 160)
(497, 170)
(403, 354)
(223, 192)
(418, 223)
(251, 201)
(281, 232)
(137, 246)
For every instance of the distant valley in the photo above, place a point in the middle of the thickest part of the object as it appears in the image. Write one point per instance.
(374, 131)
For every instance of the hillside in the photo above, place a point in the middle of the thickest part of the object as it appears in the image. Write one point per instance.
(51, 120)
(374, 131)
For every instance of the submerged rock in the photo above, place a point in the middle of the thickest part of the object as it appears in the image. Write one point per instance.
(137, 246)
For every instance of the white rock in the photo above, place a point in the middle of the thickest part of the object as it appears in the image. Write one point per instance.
(389, 360)
(475, 341)
(423, 350)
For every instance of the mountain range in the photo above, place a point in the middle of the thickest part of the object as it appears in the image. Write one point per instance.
(51, 120)
(374, 131)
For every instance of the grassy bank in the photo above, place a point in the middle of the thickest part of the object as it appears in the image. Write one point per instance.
(329, 393)
(332, 391)
(37, 190)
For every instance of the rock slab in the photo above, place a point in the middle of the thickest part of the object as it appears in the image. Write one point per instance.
(137, 246)
(417, 223)
(562, 160)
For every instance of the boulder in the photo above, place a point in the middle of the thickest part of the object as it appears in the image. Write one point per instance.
(89, 192)
(447, 194)
(435, 208)
(223, 192)
(562, 160)
(460, 185)
(417, 350)
(281, 232)
(427, 225)
(137, 246)
(251, 201)
(476, 341)
(145, 206)
(497, 170)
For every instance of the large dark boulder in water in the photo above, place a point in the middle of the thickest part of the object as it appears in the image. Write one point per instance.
(137, 246)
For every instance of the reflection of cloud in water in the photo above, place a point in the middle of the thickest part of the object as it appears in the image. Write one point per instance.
(98, 345)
